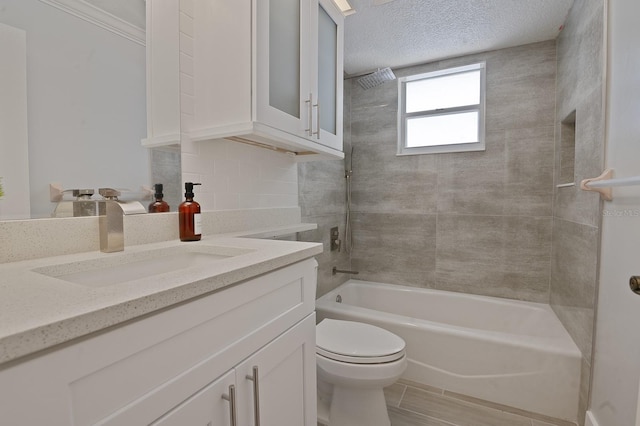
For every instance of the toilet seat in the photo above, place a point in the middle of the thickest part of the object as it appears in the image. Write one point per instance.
(357, 343)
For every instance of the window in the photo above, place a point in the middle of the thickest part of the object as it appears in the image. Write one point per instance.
(442, 111)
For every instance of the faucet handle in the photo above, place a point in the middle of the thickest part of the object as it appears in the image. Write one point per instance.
(109, 193)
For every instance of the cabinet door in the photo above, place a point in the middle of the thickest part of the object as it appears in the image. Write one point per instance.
(163, 73)
(283, 65)
(205, 408)
(327, 42)
(285, 387)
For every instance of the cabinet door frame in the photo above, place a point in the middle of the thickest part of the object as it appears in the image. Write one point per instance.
(263, 111)
(293, 349)
(327, 138)
(205, 407)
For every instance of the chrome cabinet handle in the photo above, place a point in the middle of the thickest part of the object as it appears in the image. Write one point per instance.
(256, 395)
(231, 397)
(317, 132)
(309, 131)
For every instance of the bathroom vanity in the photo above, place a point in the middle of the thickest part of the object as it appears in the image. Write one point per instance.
(228, 340)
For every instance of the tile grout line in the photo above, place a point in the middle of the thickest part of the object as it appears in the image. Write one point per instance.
(428, 417)
(404, 391)
(452, 397)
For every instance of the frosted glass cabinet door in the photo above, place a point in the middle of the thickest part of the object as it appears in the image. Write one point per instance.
(283, 64)
(329, 75)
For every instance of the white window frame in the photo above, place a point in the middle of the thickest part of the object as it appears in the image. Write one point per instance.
(403, 116)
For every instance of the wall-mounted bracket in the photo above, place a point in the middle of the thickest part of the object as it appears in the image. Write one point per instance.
(605, 192)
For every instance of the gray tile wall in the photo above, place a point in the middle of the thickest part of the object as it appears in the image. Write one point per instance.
(577, 214)
(322, 200)
(477, 222)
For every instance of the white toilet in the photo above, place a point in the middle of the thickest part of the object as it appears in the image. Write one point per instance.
(355, 361)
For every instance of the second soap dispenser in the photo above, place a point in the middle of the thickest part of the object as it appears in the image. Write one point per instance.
(159, 205)
(189, 216)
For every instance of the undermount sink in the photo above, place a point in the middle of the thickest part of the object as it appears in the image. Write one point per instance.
(125, 267)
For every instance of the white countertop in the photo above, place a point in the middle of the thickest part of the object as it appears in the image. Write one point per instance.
(38, 311)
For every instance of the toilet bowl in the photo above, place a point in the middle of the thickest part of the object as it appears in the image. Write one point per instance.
(355, 361)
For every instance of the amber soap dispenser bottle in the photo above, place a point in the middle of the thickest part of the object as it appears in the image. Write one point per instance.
(189, 216)
(159, 205)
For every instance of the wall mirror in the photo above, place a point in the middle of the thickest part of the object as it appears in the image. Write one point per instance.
(77, 115)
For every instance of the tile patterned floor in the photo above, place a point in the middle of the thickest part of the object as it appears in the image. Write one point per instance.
(412, 404)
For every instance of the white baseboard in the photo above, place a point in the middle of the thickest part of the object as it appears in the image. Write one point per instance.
(590, 420)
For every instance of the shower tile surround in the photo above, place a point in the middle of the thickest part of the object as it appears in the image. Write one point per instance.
(577, 214)
(490, 222)
(476, 222)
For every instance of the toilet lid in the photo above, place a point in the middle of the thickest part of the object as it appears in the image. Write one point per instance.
(357, 342)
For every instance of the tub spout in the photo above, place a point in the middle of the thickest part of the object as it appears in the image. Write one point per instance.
(335, 270)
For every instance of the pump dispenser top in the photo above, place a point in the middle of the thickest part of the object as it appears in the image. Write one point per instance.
(188, 187)
(189, 216)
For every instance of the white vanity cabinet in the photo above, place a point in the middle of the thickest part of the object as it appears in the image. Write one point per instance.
(176, 367)
(263, 72)
(274, 377)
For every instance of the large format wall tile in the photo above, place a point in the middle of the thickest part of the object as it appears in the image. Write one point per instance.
(395, 248)
(511, 181)
(384, 184)
(322, 187)
(473, 182)
(573, 279)
(577, 214)
(529, 171)
(500, 256)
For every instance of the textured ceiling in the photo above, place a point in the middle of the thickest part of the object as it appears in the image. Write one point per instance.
(396, 33)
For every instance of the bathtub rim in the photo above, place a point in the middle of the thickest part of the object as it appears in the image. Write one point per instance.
(561, 345)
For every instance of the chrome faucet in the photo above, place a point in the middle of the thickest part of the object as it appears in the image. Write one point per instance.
(111, 213)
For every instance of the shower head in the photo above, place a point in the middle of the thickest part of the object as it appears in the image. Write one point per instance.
(376, 78)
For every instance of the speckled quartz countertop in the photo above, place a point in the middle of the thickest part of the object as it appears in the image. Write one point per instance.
(41, 308)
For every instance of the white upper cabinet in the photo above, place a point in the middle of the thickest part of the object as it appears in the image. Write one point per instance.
(283, 62)
(163, 73)
(265, 72)
(328, 84)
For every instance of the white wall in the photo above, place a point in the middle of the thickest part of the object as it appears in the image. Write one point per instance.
(239, 176)
(85, 100)
(14, 152)
(617, 345)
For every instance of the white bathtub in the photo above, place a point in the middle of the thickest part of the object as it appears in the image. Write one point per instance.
(505, 351)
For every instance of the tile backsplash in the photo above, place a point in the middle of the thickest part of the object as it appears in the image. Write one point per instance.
(239, 176)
